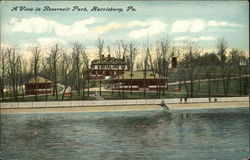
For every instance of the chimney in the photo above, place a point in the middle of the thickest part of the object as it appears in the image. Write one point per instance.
(174, 62)
(102, 55)
(109, 56)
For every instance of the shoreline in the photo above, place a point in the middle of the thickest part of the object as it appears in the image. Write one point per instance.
(181, 106)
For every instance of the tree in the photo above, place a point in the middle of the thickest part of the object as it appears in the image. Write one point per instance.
(118, 54)
(163, 58)
(146, 57)
(153, 66)
(238, 60)
(78, 50)
(132, 54)
(13, 60)
(65, 71)
(208, 64)
(124, 54)
(245, 79)
(24, 74)
(54, 56)
(45, 72)
(222, 47)
(189, 65)
(100, 46)
(158, 69)
(3, 59)
(86, 68)
(35, 64)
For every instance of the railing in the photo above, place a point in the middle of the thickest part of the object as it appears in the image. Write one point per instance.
(54, 104)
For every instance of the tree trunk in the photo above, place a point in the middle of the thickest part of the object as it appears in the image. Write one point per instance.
(2, 85)
(119, 82)
(78, 80)
(227, 85)
(22, 93)
(88, 86)
(123, 80)
(240, 81)
(100, 86)
(64, 90)
(209, 87)
(83, 89)
(191, 88)
(36, 86)
(186, 86)
(131, 83)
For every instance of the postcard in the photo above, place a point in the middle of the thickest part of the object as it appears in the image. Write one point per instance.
(149, 80)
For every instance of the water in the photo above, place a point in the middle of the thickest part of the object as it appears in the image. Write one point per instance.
(215, 134)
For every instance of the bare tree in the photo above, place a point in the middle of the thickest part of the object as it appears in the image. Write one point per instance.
(165, 61)
(13, 59)
(238, 59)
(118, 54)
(35, 64)
(65, 71)
(189, 65)
(132, 55)
(153, 68)
(100, 46)
(54, 56)
(208, 65)
(24, 74)
(124, 54)
(3, 58)
(222, 47)
(245, 79)
(86, 68)
(146, 63)
(45, 70)
(78, 50)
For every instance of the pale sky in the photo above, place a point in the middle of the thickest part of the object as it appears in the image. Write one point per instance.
(200, 21)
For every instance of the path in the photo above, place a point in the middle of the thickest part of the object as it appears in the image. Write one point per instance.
(97, 96)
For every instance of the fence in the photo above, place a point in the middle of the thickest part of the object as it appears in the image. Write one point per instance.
(53, 104)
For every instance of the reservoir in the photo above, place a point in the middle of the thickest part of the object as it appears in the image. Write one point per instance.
(208, 134)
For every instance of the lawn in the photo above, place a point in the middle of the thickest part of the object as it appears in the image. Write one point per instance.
(200, 90)
(52, 98)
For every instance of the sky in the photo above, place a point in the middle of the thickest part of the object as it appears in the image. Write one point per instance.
(202, 22)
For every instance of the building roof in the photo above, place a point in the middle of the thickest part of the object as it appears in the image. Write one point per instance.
(108, 60)
(39, 79)
(138, 75)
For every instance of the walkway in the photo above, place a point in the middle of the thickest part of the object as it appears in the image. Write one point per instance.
(55, 104)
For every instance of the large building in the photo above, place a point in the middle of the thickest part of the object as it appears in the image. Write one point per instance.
(140, 81)
(107, 67)
(40, 86)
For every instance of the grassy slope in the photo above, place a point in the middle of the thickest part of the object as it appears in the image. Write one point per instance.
(201, 91)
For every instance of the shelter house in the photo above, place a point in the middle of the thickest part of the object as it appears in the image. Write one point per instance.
(139, 81)
(40, 86)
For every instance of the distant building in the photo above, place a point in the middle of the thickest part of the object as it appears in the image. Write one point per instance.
(139, 81)
(40, 86)
(107, 67)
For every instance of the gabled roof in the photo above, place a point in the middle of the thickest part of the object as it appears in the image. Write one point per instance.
(39, 79)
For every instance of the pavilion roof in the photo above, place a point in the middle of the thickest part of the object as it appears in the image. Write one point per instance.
(39, 79)
(138, 75)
